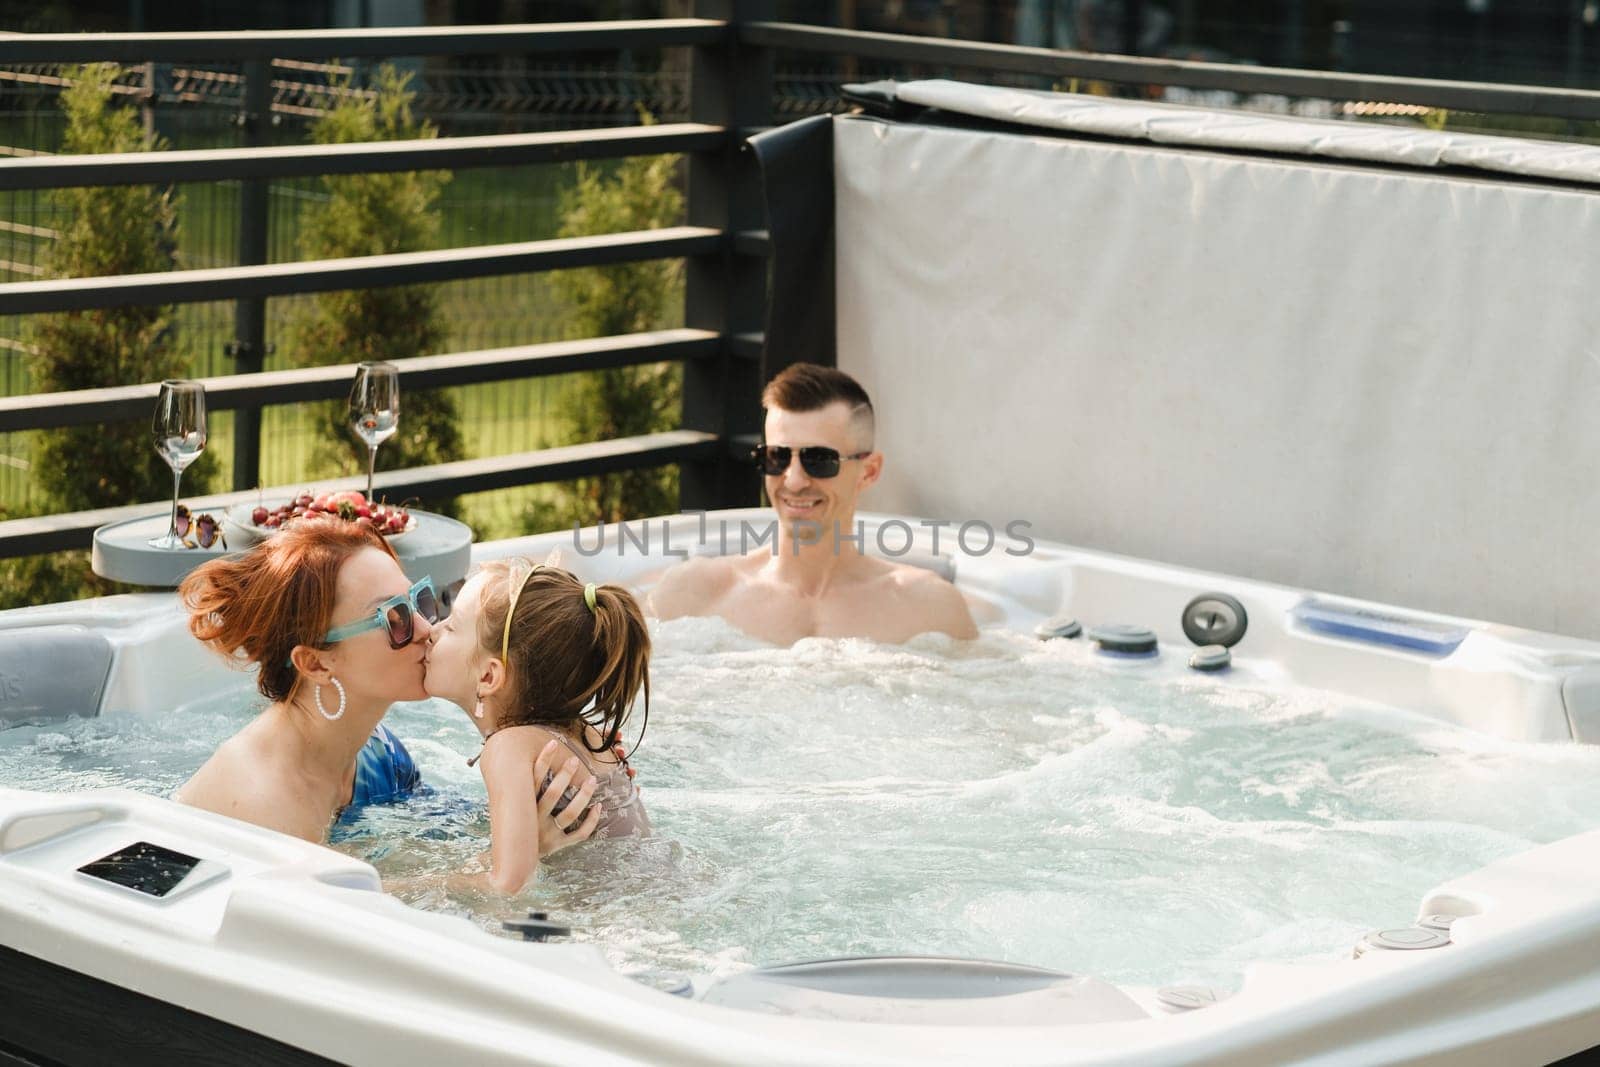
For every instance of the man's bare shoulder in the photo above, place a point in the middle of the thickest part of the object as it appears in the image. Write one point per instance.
(933, 599)
(693, 587)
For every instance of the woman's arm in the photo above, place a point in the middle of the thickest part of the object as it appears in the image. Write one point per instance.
(521, 827)
(556, 832)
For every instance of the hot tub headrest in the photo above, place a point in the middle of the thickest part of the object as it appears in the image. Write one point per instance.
(925, 990)
(51, 672)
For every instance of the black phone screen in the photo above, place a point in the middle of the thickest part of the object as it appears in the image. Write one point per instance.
(143, 867)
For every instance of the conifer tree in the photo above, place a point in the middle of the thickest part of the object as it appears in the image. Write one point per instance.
(367, 215)
(122, 229)
(639, 194)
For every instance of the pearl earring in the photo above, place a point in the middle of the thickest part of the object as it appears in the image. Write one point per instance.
(317, 694)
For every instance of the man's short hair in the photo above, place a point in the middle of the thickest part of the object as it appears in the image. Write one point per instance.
(802, 387)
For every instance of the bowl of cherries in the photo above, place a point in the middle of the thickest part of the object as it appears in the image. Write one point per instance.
(263, 520)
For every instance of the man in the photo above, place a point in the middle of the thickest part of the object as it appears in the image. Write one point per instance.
(816, 459)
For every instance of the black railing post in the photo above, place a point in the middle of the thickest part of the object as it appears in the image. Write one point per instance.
(250, 313)
(1575, 49)
(730, 84)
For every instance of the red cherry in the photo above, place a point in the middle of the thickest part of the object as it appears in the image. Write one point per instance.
(258, 516)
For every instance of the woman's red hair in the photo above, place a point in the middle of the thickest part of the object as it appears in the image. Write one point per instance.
(256, 607)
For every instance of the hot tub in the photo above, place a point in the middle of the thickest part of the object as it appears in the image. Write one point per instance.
(1200, 875)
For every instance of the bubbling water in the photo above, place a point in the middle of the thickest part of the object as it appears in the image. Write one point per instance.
(1002, 798)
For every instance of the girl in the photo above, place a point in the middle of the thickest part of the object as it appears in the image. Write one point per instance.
(545, 662)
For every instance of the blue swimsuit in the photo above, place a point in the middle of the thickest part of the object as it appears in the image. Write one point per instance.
(384, 771)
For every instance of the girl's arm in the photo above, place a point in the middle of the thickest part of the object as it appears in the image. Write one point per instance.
(520, 823)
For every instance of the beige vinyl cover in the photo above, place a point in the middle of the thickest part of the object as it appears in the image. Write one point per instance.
(1353, 358)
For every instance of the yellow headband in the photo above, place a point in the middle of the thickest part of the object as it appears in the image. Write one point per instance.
(505, 635)
(588, 597)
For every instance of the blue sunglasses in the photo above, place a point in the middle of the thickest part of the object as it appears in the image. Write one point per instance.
(395, 616)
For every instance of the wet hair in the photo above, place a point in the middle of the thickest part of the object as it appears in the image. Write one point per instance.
(562, 655)
(256, 607)
(803, 387)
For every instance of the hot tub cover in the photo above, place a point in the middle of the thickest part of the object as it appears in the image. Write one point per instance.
(1181, 125)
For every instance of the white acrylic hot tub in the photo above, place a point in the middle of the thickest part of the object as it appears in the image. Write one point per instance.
(296, 945)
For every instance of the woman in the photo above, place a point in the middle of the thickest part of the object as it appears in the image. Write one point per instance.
(546, 664)
(337, 634)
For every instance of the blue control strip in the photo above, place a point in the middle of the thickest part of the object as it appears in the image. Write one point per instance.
(1393, 631)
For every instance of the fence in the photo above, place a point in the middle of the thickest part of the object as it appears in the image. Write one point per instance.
(728, 58)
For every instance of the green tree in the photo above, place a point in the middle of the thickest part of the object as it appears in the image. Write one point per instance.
(639, 194)
(129, 229)
(368, 215)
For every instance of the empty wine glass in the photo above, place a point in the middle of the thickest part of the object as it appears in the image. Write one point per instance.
(375, 409)
(179, 432)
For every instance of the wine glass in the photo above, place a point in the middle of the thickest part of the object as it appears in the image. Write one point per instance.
(375, 409)
(179, 432)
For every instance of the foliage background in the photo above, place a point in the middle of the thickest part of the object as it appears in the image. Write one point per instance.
(640, 194)
(370, 215)
(317, 217)
(129, 229)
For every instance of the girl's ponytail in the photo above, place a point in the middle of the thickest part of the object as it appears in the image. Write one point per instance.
(622, 658)
(575, 651)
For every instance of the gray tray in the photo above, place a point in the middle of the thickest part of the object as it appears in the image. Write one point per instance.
(439, 547)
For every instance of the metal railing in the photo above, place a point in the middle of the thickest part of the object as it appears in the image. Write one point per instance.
(730, 65)
(1136, 70)
(713, 248)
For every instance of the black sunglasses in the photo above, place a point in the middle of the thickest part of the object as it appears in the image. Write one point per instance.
(815, 460)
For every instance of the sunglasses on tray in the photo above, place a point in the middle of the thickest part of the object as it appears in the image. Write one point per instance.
(815, 460)
(397, 616)
(207, 531)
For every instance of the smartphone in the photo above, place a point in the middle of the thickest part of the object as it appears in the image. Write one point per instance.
(152, 871)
